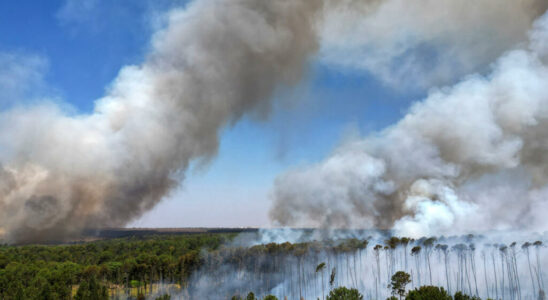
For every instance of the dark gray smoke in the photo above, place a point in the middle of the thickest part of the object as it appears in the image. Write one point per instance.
(215, 61)
(471, 157)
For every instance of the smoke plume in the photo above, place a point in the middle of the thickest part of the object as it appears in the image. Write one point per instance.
(213, 63)
(470, 157)
(218, 60)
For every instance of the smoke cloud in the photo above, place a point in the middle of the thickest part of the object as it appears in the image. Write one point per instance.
(418, 44)
(213, 63)
(468, 158)
(218, 60)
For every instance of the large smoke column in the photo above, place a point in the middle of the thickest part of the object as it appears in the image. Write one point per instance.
(470, 157)
(215, 61)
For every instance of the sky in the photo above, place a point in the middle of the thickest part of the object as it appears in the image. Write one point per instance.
(70, 51)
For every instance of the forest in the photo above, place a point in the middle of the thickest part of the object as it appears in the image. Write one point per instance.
(215, 266)
(115, 266)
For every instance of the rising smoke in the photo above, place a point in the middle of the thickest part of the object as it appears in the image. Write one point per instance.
(471, 157)
(214, 62)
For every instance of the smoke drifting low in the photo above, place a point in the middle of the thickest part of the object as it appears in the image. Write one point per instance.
(218, 60)
(492, 266)
(470, 157)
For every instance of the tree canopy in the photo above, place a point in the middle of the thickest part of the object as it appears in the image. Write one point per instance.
(343, 293)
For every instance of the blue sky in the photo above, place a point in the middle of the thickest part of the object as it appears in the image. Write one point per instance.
(76, 48)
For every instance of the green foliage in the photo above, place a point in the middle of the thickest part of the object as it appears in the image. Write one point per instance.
(270, 297)
(461, 296)
(415, 250)
(50, 271)
(343, 293)
(320, 267)
(332, 277)
(164, 297)
(250, 296)
(91, 289)
(398, 282)
(428, 293)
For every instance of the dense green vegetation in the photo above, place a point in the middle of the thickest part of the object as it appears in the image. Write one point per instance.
(63, 271)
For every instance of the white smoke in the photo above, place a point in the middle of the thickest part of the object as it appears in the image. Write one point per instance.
(470, 157)
(218, 60)
(491, 265)
(417, 44)
(213, 63)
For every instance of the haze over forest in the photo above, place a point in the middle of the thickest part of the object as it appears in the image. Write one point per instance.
(333, 149)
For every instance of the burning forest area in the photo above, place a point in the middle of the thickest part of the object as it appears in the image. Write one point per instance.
(274, 149)
(253, 265)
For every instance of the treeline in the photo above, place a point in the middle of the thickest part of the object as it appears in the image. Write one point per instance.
(55, 272)
(468, 263)
(203, 266)
(287, 266)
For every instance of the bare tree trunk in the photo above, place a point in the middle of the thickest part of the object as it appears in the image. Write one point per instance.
(355, 272)
(427, 254)
(485, 274)
(539, 269)
(467, 273)
(495, 273)
(473, 264)
(530, 269)
(378, 274)
(405, 255)
(447, 270)
(502, 270)
(323, 294)
(516, 274)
